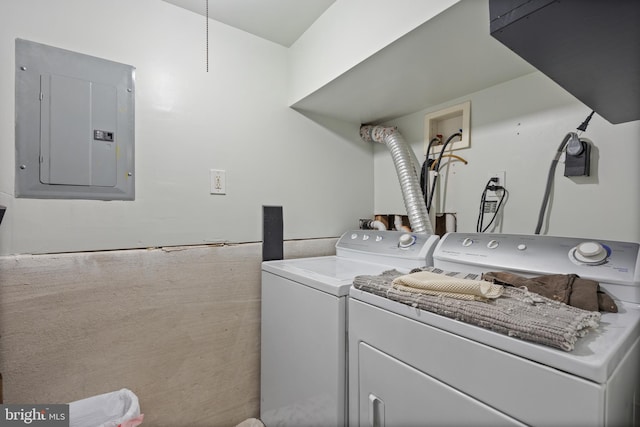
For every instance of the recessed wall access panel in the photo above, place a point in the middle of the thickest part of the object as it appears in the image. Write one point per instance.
(74, 125)
(444, 124)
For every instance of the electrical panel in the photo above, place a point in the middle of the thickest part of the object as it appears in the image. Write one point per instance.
(74, 125)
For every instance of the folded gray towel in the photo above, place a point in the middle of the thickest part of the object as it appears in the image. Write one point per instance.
(517, 313)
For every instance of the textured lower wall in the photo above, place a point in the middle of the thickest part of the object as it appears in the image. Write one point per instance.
(178, 326)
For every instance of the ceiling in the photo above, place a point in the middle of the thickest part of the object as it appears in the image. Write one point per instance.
(403, 77)
(397, 80)
(280, 21)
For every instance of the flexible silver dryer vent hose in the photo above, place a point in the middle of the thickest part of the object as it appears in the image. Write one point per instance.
(407, 176)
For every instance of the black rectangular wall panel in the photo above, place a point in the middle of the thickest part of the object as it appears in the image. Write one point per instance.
(272, 233)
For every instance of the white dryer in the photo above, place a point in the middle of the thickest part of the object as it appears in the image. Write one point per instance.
(304, 302)
(409, 367)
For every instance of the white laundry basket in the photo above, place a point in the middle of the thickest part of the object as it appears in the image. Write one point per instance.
(106, 410)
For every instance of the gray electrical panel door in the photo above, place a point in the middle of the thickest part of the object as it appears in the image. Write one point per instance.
(74, 125)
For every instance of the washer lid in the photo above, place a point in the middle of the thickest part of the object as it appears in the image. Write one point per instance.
(331, 274)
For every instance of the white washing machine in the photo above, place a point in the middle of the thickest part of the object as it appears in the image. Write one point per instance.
(304, 302)
(410, 367)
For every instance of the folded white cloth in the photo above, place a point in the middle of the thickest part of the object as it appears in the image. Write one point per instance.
(426, 282)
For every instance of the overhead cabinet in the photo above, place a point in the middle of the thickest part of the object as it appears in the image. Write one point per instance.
(590, 48)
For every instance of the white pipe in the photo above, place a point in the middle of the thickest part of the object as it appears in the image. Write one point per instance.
(435, 201)
(397, 222)
(450, 221)
(378, 225)
(407, 176)
(373, 224)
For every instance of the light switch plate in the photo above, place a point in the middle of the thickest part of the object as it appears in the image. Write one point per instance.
(218, 180)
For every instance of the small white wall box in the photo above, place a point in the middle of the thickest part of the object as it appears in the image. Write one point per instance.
(447, 122)
(74, 125)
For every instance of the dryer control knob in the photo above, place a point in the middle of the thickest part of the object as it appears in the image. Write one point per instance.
(590, 253)
(590, 249)
(406, 240)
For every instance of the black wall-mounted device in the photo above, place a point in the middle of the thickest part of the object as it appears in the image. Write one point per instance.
(2, 211)
(578, 159)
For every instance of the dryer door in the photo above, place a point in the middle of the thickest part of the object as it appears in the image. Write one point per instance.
(392, 393)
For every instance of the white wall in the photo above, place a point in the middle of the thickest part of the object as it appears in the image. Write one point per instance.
(349, 32)
(187, 121)
(517, 127)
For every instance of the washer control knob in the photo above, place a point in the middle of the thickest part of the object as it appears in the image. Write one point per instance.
(354, 236)
(521, 247)
(590, 253)
(365, 237)
(493, 244)
(467, 242)
(406, 240)
(378, 238)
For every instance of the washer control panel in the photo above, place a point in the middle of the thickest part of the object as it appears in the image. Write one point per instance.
(388, 247)
(608, 262)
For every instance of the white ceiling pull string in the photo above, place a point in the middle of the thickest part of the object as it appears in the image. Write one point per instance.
(207, 36)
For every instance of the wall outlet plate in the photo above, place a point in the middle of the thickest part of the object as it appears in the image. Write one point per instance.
(500, 175)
